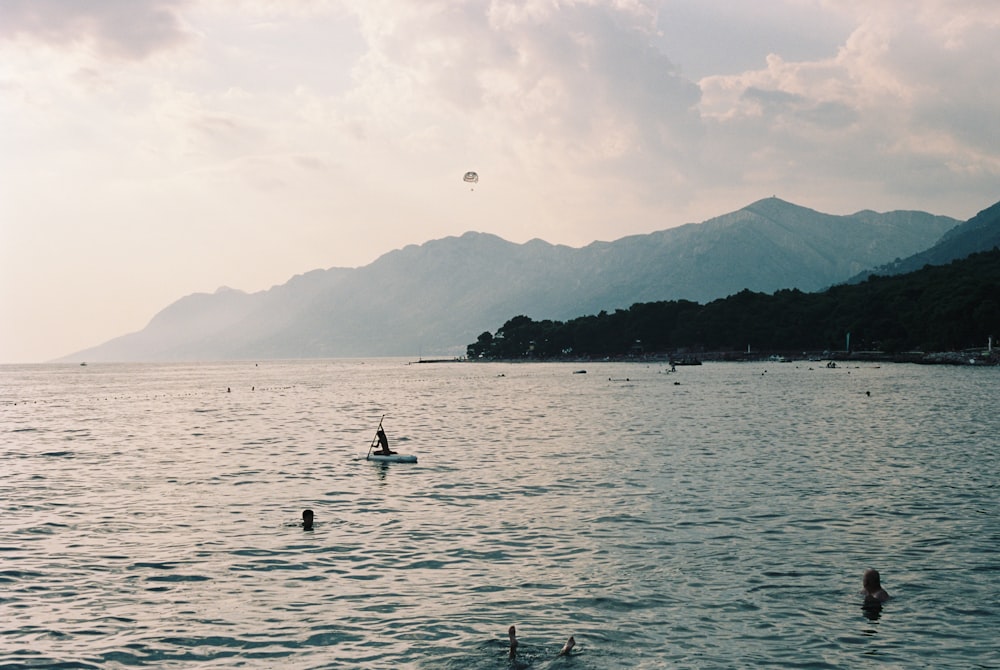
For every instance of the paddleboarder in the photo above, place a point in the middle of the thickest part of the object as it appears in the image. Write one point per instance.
(383, 443)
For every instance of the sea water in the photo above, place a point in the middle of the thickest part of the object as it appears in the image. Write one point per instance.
(718, 516)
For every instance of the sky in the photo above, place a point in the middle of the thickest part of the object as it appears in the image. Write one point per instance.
(150, 149)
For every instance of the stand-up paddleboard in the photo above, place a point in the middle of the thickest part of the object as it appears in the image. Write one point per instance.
(392, 458)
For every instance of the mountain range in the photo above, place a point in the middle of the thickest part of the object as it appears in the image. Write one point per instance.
(434, 298)
(980, 233)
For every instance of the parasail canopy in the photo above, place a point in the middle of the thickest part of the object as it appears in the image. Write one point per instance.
(471, 177)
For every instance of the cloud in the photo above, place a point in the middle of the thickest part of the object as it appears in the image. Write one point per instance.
(904, 101)
(530, 63)
(126, 29)
(891, 101)
(571, 96)
(577, 96)
(722, 37)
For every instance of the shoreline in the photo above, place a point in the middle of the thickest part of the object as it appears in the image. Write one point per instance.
(971, 358)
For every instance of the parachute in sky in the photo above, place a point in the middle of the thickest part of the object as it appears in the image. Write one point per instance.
(471, 178)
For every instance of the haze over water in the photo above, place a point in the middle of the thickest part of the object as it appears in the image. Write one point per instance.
(718, 516)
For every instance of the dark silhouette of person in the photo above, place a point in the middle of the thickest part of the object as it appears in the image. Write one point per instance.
(872, 583)
(307, 519)
(383, 442)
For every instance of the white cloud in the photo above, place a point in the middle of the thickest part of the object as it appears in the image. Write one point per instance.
(904, 100)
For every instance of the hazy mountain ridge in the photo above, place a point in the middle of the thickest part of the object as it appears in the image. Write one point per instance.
(980, 233)
(436, 297)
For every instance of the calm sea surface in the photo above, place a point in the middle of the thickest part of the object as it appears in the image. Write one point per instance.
(716, 517)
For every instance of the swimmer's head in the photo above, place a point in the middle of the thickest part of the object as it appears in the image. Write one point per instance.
(307, 518)
(871, 581)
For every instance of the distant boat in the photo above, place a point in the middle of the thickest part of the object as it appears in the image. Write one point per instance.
(686, 360)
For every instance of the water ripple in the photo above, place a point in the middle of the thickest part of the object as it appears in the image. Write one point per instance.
(724, 522)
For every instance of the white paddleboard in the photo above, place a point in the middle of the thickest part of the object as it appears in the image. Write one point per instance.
(393, 458)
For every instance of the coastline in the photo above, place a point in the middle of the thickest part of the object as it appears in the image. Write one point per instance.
(976, 358)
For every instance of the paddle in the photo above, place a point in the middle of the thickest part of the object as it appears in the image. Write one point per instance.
(374, 439)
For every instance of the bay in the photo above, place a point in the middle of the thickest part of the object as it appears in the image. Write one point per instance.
(716, 516)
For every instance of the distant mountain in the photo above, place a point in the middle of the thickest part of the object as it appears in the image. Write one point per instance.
(435, 298)
(980, 233)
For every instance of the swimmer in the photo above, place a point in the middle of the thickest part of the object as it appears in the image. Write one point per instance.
(307, 519)
(568, 647)
(872, 583)
(512, 634)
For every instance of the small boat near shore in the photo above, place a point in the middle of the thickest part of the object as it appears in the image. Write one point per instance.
(685, 360)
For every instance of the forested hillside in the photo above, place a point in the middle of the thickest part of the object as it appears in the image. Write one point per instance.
(939, 308)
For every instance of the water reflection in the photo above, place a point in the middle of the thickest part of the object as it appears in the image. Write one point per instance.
(872, 609)
(381, 470)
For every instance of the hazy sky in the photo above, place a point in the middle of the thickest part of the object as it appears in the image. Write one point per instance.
(154, 148)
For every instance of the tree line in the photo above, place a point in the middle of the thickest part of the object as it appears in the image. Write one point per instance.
(938, 308)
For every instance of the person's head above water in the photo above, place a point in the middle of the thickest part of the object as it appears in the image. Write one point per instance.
(871, 580)
(872, 584)
(307, 519)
